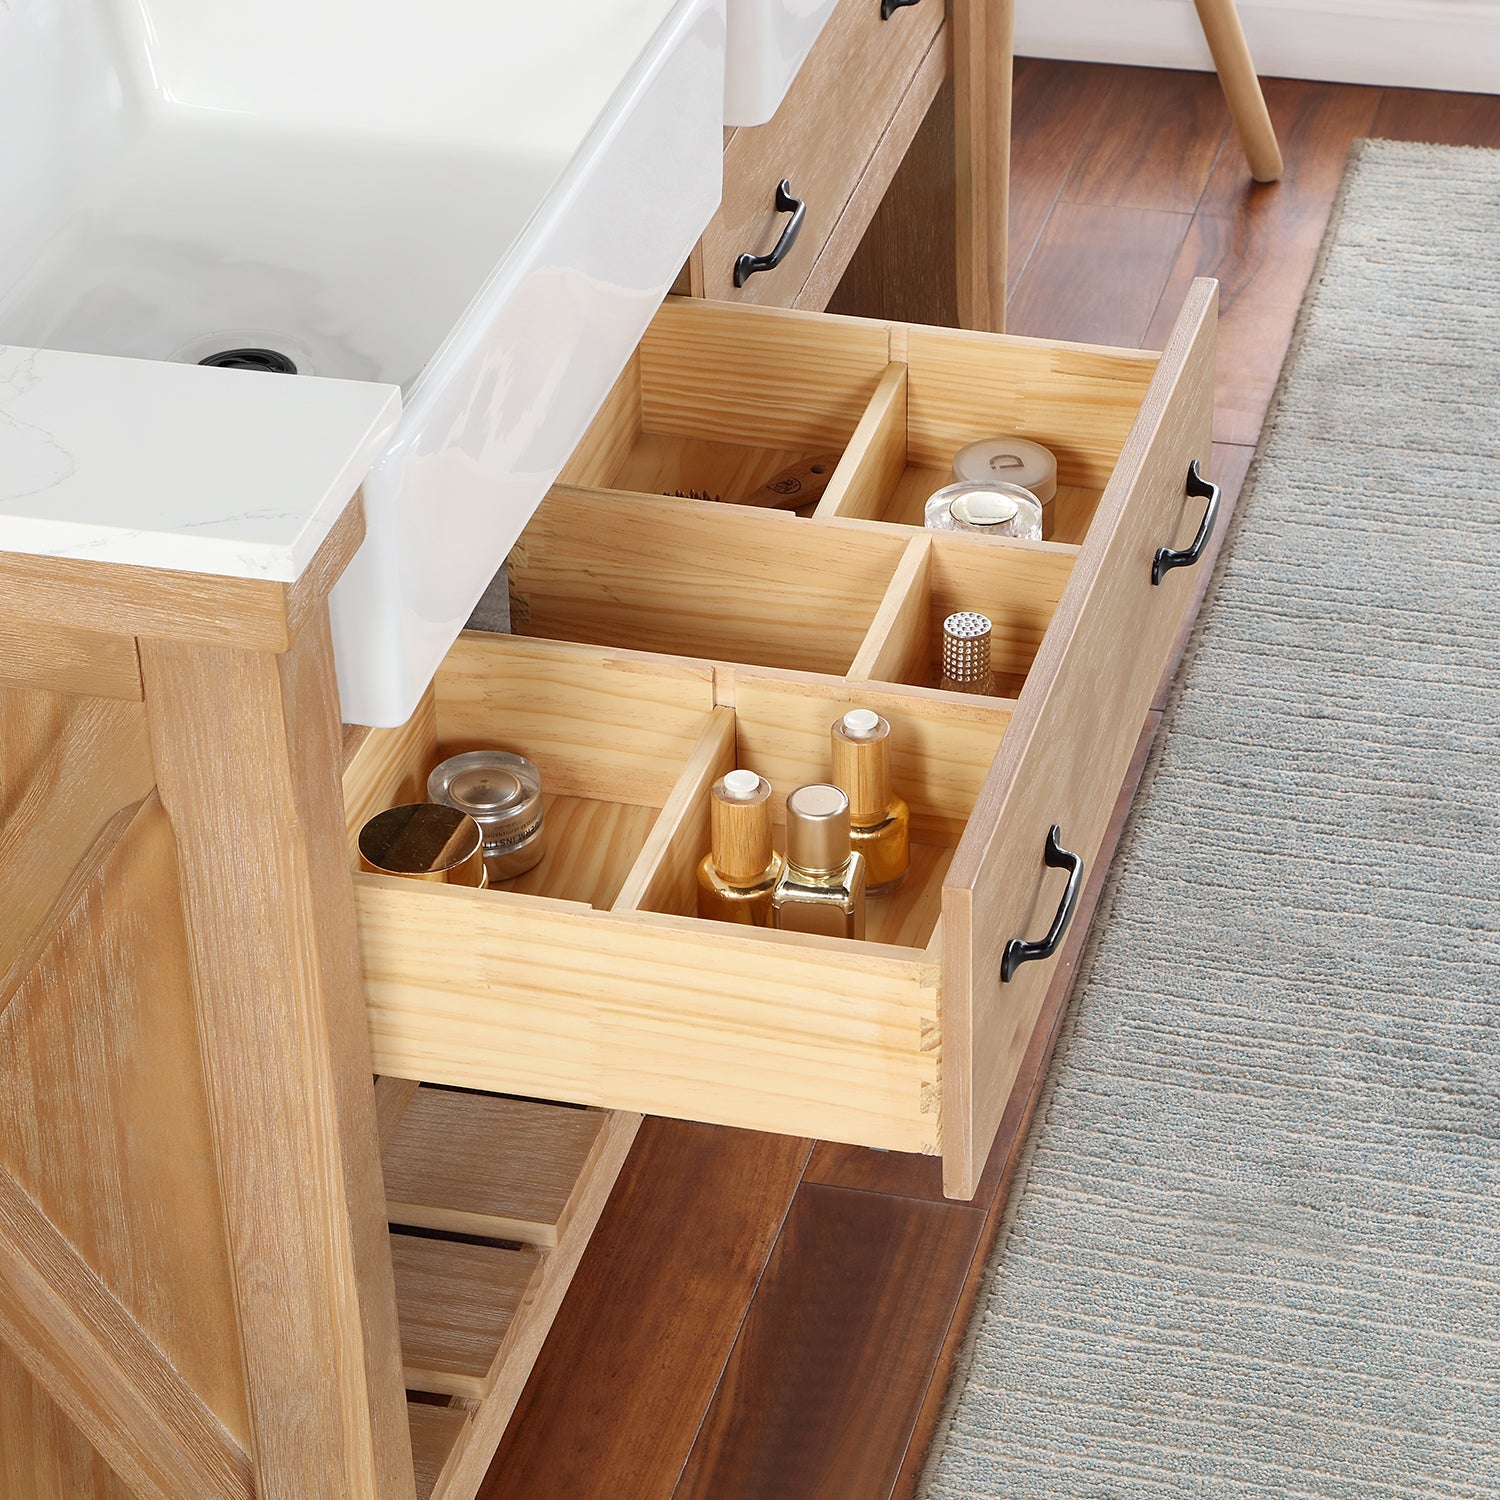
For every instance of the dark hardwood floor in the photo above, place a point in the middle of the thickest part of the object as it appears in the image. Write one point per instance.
(770, 1319)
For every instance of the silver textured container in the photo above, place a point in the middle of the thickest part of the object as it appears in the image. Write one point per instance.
(502, 792)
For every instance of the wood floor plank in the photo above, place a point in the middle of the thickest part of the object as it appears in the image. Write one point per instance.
(1097, 274)
(1262, 241)
(1439, 118)
(1317, 123)
(1053, 107)
(1153, 140)
(857, 1298)
(629, 1369)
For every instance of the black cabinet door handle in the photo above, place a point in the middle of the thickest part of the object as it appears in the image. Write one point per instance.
(888, 8)
(747, 265)
(1018, 951)
(1166, 559)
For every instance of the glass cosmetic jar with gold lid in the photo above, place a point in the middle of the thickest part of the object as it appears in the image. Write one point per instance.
(502, 792)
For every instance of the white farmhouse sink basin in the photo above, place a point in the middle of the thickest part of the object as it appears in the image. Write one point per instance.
(481, 203)
(768, 42)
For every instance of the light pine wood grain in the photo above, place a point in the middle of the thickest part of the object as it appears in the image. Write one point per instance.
(77, 1340)
(437, 1435)
(815, 1036)
(44, 1456)
(592, 846)
(65, 659)
(774, 378)
(898, 645)
(665, 877)
(248, 753)
(533, 1321)
(822, 138)
(719, 582)
(504, 1169)
(388, 768)
(894, 142)
(983, 32)
(107, 1123)
(457, 1302)
(1068, 744)
(1078, 400)
(68, 765)
(875, 456)
(600, 724)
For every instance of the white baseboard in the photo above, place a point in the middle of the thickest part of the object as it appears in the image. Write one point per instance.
(1431, 44)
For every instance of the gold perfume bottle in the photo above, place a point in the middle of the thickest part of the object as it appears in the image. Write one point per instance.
(822, 888)
(966, 654)
(738, 874)
(879, 821)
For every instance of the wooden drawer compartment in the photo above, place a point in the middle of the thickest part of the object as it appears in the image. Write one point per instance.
(853, 88)
(662, 641)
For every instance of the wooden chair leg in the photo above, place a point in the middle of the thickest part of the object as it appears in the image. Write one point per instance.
(1247, 105)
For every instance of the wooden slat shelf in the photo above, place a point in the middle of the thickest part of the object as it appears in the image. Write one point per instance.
(436, 1432)
(504, 1169)
(524, 1183)
(456, 1303)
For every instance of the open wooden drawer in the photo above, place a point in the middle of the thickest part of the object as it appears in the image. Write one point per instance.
(661, 641)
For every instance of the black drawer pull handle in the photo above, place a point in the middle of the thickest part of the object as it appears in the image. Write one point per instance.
(747, 265)
(888, 8)
(1166, 559)
(1018, 951)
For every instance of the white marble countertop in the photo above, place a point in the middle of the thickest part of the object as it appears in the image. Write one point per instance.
(230, 472)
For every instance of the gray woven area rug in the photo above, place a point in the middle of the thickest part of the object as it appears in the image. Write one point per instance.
(1255, 1249)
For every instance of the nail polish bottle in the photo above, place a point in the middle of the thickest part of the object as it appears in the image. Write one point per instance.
(879, 820)
(822, 888)
(738, 874)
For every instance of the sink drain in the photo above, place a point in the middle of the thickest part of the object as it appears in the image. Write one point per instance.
(270, 360)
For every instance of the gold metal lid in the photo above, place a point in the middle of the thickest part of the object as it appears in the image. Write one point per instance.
(424, 841)
(817, 828)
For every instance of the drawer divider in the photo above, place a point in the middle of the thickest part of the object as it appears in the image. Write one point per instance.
(898, 644)
(875, 458)
(668, 862)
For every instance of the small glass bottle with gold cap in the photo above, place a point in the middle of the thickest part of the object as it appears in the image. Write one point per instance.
(738, 874)
(822, 888)
(879, 820)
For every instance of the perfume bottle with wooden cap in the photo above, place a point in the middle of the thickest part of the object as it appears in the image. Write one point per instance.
(879, 820)
(822, 888)
(966, 654)
(738, 874)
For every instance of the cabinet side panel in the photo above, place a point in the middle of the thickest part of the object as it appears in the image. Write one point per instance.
(43, 1456)
(106, 1125)
(68, 764)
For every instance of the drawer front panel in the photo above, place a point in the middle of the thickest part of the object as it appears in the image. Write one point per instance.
(817, 141)
(1068, 745)
(547, 999)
